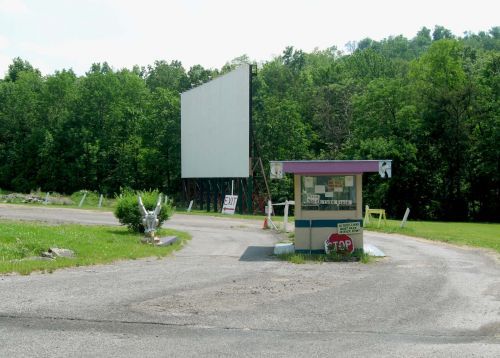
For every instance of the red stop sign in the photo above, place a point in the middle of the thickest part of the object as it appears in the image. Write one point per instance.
(339, 242)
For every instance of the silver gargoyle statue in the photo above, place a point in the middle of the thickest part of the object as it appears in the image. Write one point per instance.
(150, 220)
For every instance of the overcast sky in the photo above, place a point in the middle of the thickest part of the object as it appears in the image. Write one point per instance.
(57, 34)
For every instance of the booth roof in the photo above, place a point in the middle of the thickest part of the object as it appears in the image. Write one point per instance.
(332, 166)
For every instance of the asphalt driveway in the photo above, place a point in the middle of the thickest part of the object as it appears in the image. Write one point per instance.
(224, 295)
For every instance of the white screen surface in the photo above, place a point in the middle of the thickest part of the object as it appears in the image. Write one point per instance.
(215, 126)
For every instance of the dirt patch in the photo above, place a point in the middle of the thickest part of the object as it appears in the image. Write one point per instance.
(237, 295)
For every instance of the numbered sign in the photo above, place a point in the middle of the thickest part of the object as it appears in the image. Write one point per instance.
(229, 204)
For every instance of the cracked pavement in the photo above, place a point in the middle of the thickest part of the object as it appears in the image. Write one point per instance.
(224, 295)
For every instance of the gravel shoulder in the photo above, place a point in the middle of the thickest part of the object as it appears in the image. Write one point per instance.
(225, 295)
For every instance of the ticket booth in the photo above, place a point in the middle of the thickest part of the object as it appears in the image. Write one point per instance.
(328, 201)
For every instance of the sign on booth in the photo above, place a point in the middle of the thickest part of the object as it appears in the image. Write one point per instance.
(339, 243)
(349, 228)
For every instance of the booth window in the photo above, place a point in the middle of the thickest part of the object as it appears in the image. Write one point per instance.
(328, 193)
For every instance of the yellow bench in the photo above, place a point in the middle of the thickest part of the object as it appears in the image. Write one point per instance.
(369, 212)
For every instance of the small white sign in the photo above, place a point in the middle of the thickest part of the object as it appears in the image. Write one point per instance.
(349, 180)
(385, 167)
(308, 182)
(349, 228)
(338, 189)
(229, 204)
(276, 170)
(312, 199)
(329, 194)
(319, 189)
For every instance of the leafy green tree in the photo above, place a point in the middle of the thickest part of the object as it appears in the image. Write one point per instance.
(22, 130)
(484, 151)
(445, 95)
(332, 108)
(441, 33)
(167, 75)
(199, 75)
(18, 66)
(57, 105)
(160, 157)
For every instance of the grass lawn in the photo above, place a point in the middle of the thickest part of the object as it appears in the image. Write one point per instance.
(92, 245)
(472, 234)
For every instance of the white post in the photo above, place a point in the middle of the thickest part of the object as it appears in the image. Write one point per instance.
(405, 218)
(269, 212)
(100, 201)
(285, 218)
(190, 206)
(232, 187)
(367, 217)
(46, 199)
(83, 199)
(166, 200)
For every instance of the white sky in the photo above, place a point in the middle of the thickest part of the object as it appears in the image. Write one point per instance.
(57, 34)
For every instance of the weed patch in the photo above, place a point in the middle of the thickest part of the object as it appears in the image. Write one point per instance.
(299, 258)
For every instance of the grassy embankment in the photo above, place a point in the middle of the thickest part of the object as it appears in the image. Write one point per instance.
(37, 198)
(21, 241)
(459, 233)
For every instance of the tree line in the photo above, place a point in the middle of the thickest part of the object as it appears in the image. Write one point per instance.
(429, 103)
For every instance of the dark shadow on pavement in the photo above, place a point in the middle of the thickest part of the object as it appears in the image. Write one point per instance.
(258, 253)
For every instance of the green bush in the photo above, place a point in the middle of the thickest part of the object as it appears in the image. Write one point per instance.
(127, 208)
